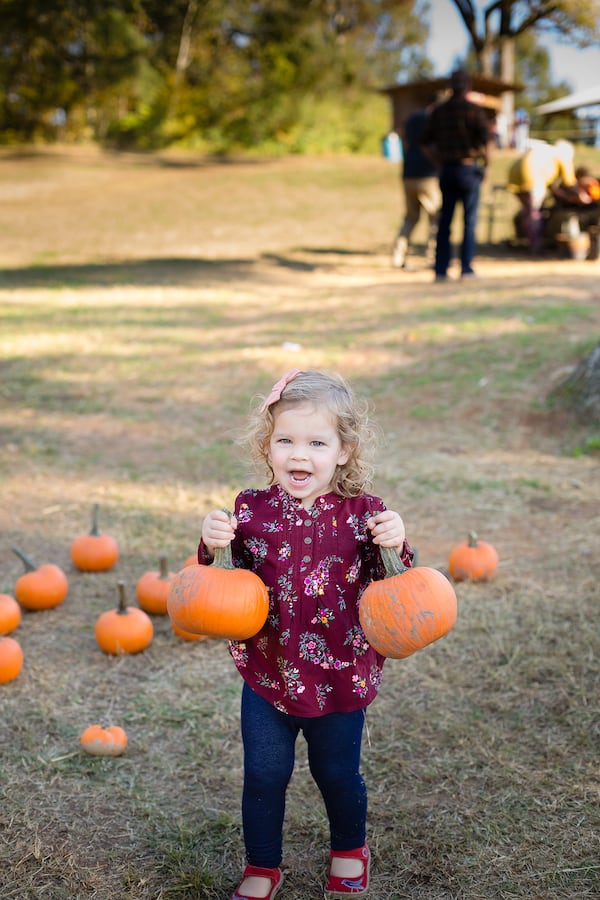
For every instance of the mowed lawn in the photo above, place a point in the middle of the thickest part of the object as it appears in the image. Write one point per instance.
(144, 301)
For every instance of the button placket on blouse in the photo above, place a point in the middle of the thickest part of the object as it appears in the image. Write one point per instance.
(307, 540)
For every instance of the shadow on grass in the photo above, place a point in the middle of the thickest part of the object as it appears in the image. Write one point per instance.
(170, 270)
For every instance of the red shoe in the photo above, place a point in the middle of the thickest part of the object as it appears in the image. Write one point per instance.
(275, 876)
(344, 887)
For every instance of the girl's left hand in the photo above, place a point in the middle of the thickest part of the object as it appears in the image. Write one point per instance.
(387, 529)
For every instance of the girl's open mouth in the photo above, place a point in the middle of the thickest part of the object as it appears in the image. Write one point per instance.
(299, 477)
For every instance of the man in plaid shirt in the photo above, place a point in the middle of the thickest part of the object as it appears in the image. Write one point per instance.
(457, 140)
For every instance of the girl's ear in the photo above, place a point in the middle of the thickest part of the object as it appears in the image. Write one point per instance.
(345, 454)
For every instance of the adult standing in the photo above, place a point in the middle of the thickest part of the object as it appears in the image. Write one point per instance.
(420, 182)
(457, 139)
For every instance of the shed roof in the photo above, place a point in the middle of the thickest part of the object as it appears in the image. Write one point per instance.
(587, 97)
(422, 90)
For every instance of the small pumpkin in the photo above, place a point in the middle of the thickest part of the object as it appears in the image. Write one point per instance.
(40, 587)
(94, 552)
(126, 629)
(98, 741)
(187, 635)
(408, 609)
(473, 560)
(11, 659)
(219, 600)
(152, 588)
(10, 614)
(192, 560)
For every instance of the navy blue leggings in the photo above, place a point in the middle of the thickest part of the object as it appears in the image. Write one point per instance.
(334, 742)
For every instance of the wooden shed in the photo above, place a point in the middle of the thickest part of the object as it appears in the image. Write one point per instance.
(406, 98)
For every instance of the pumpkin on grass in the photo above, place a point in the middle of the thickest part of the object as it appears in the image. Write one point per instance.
(10, 614)
(220, 600)
(94, 552)
(191, 560)
(11, 659)
(126, 629)
(408, 609)
(473, 560)
(99, 741)
(187, 635)
(40, 587)
(152, 588)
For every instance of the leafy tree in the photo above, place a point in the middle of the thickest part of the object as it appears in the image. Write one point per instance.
(223, 73)
(494, 26)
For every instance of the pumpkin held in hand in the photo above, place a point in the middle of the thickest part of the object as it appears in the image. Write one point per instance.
(126, 629)
(11, 659)
(220, 600)
(94, 552)
(473, 560)
(99, 741)
(10, 614)
(40, 588)
(408, 609)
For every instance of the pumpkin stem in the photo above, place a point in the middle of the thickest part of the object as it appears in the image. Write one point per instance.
(392, 561)
(164, 568)
(122, 607)
(94, 530)
(27, 562)
(472, 539)
(223, 558)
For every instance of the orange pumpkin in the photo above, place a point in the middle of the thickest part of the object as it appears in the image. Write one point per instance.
(99, 741)
(125, 629)
(40, 588)
(473, 560)
(192, 560)
(94, 552)
(10, 614)
(218, 600)
(187, 635)
(11, 659)
(408, 609)
(152, 589)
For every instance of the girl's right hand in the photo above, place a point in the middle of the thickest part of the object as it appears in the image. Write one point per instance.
(218, 529)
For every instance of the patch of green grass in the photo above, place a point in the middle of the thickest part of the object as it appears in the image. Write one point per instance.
(590, 445)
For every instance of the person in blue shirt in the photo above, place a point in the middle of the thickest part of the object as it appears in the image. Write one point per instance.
(420, 181)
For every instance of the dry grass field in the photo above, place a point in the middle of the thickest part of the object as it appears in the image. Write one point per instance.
(144, 300)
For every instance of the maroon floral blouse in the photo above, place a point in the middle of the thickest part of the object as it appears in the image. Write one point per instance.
(311, 657)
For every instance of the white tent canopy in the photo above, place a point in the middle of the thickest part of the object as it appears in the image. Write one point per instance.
(587, 97)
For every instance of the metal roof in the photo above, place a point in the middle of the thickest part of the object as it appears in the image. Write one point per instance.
(587, 97)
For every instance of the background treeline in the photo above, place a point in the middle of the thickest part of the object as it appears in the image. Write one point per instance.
(217, 75)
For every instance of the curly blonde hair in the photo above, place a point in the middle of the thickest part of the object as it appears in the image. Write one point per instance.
(351, 416)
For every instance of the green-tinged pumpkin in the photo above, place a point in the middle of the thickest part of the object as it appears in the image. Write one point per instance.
(473, 560)
(41, 587)
(126, 629)
(408, 609)
(99, 741)
(219, 600)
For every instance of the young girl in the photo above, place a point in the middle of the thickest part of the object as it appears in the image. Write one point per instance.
(313, 538)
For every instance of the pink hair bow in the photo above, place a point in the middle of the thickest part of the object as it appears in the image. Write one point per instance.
(278, 387)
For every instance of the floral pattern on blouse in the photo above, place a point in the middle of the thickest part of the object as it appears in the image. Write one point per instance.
(311, 657)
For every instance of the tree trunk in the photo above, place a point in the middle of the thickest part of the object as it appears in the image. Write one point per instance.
(507, 74)
(580, 391)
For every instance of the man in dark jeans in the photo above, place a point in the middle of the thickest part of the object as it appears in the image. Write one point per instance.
(457, 140)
